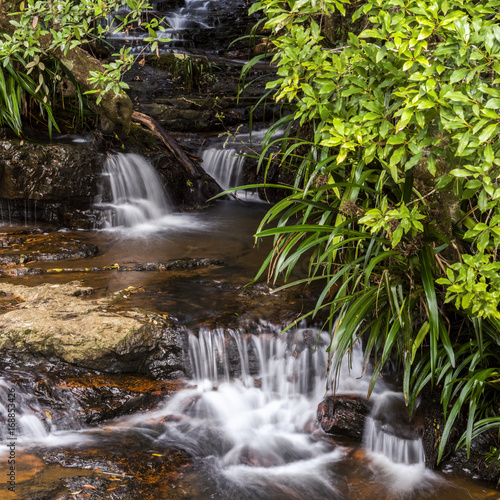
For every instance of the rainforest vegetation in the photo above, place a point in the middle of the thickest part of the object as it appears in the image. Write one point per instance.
(47, 68)
(395, 203)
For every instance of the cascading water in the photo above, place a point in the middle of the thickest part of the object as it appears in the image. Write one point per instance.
(224, 165)
(225, 162)
(247, 420)
(252, 432)
(387, 433)
(24, 421)
(135, 191)
(177, 22)
(193, 15)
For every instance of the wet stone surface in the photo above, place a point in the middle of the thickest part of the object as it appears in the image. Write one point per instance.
(113, 474)
(343, 415)
(19, 248)
(54, 322)
(69, 397)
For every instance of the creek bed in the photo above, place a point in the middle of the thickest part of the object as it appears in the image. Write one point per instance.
(144, 451)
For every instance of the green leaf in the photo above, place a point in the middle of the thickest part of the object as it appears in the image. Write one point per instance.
(426, 261)
(488, 132)
(482, 201)
(457, 96)
(458, 74)
(493, 104)
(424, 329)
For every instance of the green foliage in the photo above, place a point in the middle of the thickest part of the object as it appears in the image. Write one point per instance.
(194, 72)
(110, 79)
(15, 84)
(493, 459)
(395, 203)
(55, 28)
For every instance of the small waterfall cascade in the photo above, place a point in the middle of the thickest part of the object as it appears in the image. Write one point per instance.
(179, 20)
(23, 419)
(224, 165)
(20, 415)
(388, 431)
(194, 14)
(5, 212)
(282, 367)
(131, 192)
(225, 161)
(249, 413)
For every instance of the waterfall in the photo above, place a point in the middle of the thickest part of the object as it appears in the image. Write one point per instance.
(249, 418)
(225, 162)
(178, 24)
(248, 415)
(224, 165)
(248, 422)
(24, 421)
(389, 433)
(135, 192)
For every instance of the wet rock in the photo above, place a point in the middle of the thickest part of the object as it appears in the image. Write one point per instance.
(54, 322)
(42, 247)
(210, 101)
(177, 264)
(190, 263)
(147, 475)
(54, 183)
(454, 460)
(68, 397)
(430, 411)
(343, 415)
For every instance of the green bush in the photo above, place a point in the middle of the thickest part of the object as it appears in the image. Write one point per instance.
(395, 201)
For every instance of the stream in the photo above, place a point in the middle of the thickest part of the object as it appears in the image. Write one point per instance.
(236, 417)
(243, 424)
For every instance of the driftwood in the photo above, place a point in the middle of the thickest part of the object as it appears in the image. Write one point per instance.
(169, 141)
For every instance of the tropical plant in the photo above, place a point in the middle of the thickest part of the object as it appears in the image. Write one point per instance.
(395, 203)
(35, 61)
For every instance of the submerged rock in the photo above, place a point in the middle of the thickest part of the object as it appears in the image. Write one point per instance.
(53, 321)
(18, 248)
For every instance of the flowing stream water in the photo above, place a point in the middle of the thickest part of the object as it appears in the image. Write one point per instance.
(246, 419)
(225, 160)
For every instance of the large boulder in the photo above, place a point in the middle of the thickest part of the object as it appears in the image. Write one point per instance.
(55, 322)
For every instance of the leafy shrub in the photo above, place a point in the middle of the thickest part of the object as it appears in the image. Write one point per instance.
(396, 197)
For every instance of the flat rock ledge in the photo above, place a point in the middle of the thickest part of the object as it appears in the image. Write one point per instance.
(55, 322)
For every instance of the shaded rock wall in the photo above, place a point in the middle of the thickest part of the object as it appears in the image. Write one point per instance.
(53, 183)
(57, 183)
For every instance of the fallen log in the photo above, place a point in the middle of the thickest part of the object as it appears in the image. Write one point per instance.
(169, 141)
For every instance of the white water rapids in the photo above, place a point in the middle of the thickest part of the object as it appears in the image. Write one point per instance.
(247, 420)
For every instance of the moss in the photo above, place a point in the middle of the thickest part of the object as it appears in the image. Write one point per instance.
(139, 137)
